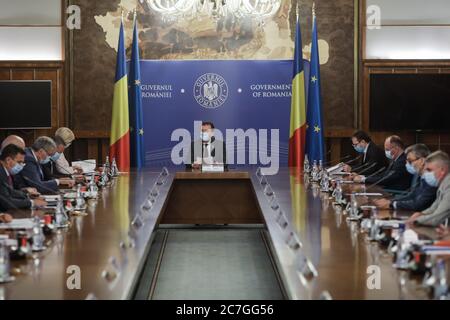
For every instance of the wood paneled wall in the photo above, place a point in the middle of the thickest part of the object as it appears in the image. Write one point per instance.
(53, 71)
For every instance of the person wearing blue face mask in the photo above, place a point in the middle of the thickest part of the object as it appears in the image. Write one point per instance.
(437, 175)
(207, 149)
(371, 157)
(421, 195)
(11, 164)
(58, 167)
(33, 174)
(395, 178)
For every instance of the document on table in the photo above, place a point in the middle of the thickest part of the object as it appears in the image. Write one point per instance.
(18, 224)
(88, 166)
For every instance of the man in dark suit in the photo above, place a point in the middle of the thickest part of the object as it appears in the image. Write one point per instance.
(12, 163)
(58, 167)
(421, 195)
(395, 178)
(206, 150)
(371, 159)
(32, 175)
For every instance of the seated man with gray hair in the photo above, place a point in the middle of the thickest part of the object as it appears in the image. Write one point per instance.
(422, 195)
(58, 166)
(436, 174)
(32, 174)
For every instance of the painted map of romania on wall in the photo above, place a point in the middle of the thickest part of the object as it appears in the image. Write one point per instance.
(204, 38)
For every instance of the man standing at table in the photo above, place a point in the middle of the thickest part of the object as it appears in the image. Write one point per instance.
(437, 175)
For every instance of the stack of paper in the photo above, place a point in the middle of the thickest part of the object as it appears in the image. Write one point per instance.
(88, 166)
(18, 224)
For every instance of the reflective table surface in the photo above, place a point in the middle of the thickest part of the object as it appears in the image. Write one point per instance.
(318, 252)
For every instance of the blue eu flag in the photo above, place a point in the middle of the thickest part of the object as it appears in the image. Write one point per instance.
(137, 158)
(314, 133)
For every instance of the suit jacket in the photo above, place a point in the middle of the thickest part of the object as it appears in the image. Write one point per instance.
(439, 211)
(51, 172)
(419, 198)
(217, 148)
(396, 177)
(11, 198)
(373, 161)
(33, 176)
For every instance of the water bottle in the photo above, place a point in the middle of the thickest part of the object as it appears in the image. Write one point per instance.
(325, 182)
(4, 262)
(306, 166)
(401, 249)
(338, 192)
(440, 286)
(315, 171)
(80, 203)
(353, 206)
(114, 169)
(92, 185)
(38, 235)
(321, 170)
(61, 219)
(106, 166)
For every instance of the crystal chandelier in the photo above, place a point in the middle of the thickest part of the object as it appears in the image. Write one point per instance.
(216, 9)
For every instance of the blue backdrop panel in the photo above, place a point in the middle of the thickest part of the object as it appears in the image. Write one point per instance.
(251, 94)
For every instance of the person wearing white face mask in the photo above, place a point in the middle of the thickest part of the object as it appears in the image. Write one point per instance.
(11, 164)
(395, 178)
(206, 150)
(32, 175)
(422, 194)
(59, 167)
(437, 175)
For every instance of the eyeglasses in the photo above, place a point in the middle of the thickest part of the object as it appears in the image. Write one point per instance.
(412, 161)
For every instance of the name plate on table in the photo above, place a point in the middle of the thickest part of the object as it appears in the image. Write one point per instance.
(213, 168)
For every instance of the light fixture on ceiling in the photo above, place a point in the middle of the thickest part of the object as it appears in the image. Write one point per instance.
(171, 10)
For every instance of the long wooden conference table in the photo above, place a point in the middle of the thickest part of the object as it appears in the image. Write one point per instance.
(318, 253)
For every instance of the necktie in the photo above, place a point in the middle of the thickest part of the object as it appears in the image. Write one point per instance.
(10, 181)
(40, 171)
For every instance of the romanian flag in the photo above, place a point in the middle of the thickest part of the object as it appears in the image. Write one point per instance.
(119, 147)
(315, 147)
(135, 102)
(298, 107)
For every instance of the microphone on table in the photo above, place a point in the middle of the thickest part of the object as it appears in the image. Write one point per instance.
(65, 170)
(380, 180)
(335, 162)
(340, 164)
(354, 160)
(368, 168)
(376, 172)
(361, 166)
(42, 186)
